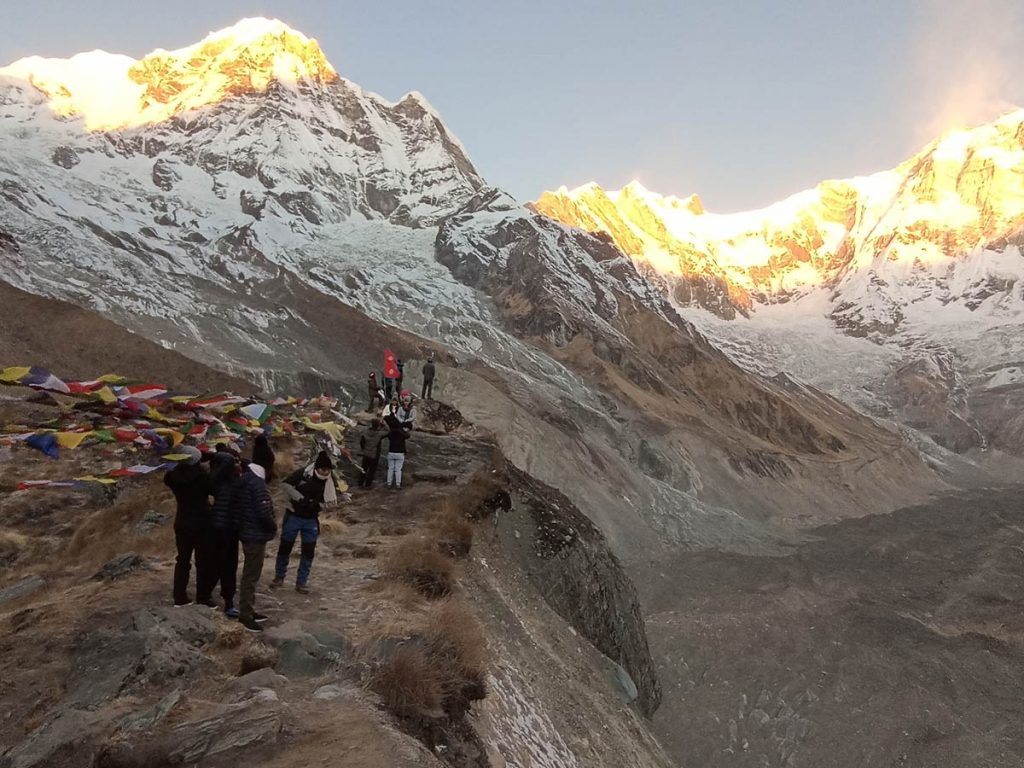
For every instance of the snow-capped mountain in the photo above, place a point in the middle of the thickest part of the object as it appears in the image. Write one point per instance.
(925, 260)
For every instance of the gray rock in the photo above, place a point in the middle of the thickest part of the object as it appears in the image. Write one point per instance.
(121, 566)
(150, 521)
(261, 678)
(150, 647)
(59, 741)
(332, 691)
(237, 726)
(307, 651)
(21, 588)
(144, 721)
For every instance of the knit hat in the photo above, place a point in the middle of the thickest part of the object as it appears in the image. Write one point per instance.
(193, 453)
(323, 461)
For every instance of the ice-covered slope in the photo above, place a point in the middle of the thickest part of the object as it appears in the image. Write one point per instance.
(924, 260)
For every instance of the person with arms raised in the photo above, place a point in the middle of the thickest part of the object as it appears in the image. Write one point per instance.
(190, 483)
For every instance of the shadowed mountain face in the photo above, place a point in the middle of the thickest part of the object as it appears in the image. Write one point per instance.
(252, 209)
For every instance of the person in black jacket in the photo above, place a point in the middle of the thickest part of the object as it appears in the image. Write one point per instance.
(369, 447)
(397, 435)
(225, 475)
(307, 490)
(429, 370)
(253, 512)
(190, 483)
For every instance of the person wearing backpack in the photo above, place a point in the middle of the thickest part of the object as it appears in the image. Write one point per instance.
(308, 489)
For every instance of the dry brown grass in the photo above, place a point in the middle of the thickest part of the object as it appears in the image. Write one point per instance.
(230, 636)
(436, 665)
(109, 531)
(476, 499)
(417, 561)
(409, 683)
(404, 597)
(257, 656)
(453, 532)
(331, 527)
(12, 545)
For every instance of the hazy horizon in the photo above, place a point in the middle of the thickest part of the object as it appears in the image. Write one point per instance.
(743, 105)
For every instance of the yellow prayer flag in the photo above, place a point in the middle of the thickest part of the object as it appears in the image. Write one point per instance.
(13, 375)
(71, 439)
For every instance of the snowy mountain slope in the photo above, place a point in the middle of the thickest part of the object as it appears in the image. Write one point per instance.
(925, 260)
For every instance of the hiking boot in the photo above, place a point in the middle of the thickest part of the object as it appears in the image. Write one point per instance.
(207, 603)
(252, 626)
(260, 617)
(182, 603)
(302, 589)
(231, 613)
(276, 583)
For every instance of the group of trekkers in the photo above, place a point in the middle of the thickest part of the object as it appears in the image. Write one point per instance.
(241, 514)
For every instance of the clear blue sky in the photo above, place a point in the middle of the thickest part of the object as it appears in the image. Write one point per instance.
(741, 101)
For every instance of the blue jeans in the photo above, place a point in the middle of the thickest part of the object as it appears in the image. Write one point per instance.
(292, 527)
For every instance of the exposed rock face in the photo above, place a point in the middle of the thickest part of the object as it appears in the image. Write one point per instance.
(569, 562)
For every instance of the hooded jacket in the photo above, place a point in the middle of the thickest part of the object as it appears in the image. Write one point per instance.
(192, 487)
(224, 477)
(253, 509)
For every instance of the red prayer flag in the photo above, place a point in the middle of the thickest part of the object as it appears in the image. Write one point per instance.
(390, 365)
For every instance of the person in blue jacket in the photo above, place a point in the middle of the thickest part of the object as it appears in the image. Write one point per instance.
(308, 489)
(253, 513)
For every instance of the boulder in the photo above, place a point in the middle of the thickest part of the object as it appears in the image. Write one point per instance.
(308, 650)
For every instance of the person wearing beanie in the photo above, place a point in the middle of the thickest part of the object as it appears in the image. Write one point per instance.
(307, 490)
(253, 512)
(191, 485)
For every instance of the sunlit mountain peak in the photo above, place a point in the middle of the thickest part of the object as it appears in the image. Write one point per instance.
(110, 91)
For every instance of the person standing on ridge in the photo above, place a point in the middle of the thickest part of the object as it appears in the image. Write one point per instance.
(225, 475)
(397, 435)
(401, 375)
(406, 411)
(190, 483)
(374, 391)
(307, 490)
(369, 448)
(428, 379)
(253, 510)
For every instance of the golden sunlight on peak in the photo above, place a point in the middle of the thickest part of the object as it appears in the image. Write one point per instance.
(109, 91)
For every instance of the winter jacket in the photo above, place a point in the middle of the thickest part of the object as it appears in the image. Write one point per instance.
(253, 509)
(191, 486)
(428, 371)
(372, 387)
(224, 476)
(397, 435)
(305, 493)
(369, 445)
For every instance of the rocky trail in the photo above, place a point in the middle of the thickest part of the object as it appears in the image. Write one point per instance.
(100, 671)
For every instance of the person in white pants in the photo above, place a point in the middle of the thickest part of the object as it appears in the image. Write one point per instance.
(397, 435)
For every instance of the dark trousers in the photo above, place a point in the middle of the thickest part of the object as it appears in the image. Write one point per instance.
(189, 543)
(292, 527)
(428, 389)
(252, 569)
(224, 553)
(389, 388)
(369, 471)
